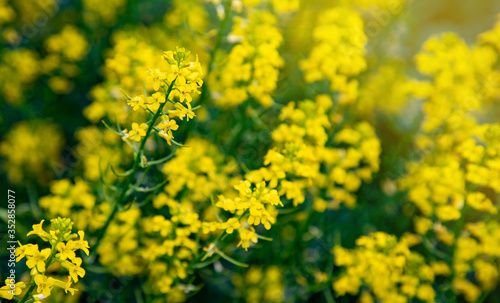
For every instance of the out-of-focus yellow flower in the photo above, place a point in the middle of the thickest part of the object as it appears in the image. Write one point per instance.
(32, 150)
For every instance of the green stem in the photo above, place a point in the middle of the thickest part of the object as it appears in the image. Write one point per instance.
(28, 294)
(228, 258)
(126, 183)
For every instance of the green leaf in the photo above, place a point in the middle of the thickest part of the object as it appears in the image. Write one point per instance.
(227, 258)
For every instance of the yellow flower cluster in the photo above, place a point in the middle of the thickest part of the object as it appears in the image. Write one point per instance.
(163, 248)
(477, 251)
(128, 227)
(251, 69)
(14, 63)
(304, 159)
(64, 51)
(181, 81)
(492, 37)
(62, 251)
(122, 233)
(32, 151)
(124, 68)
(338, 52)
(456, 172)
(463, 79)
(261, 284)
(198, 171)
(252, 207)
(169, 247)
(160, 248)
(460, 159)
(77, 202)
(280, 6)
(7, 14)
(457, 177)
(386, 267)
(285, 6)
(66, 195)
(98, 11)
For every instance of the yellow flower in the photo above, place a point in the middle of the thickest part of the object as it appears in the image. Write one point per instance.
(9, 292)
(448, 212)
(181, 111)
(247, 236)
(81, 243)
(74, 268)
(157, 78)
(480, 202)
(470, 291)
(24, 250)
(136, 102)
(66, 286)
(155, 100)
(38, 230)
(137, 132)
(230, 225)
(37, 258)
(44, 284)
(166, 126)
(66, 250)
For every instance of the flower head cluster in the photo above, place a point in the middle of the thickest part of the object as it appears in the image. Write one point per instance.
(252, 207)
(63, 245)
(65, 195)
(280, 7)
(477, 253)
(338, 53)
(259, 284)
(304, 159)
(455, 181)
(159, 248)
(386, 268)
(13, 63)
(177, 86)
(124, 68)
(463, 80)
(64, 50)
(77, 202)
(164, 248)
(187, 75)
(251, 69)
(168, 245)
(122, 233)
(199, 171)
(456, 172)
(491, 37)
(32, 150)
(7, 12)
